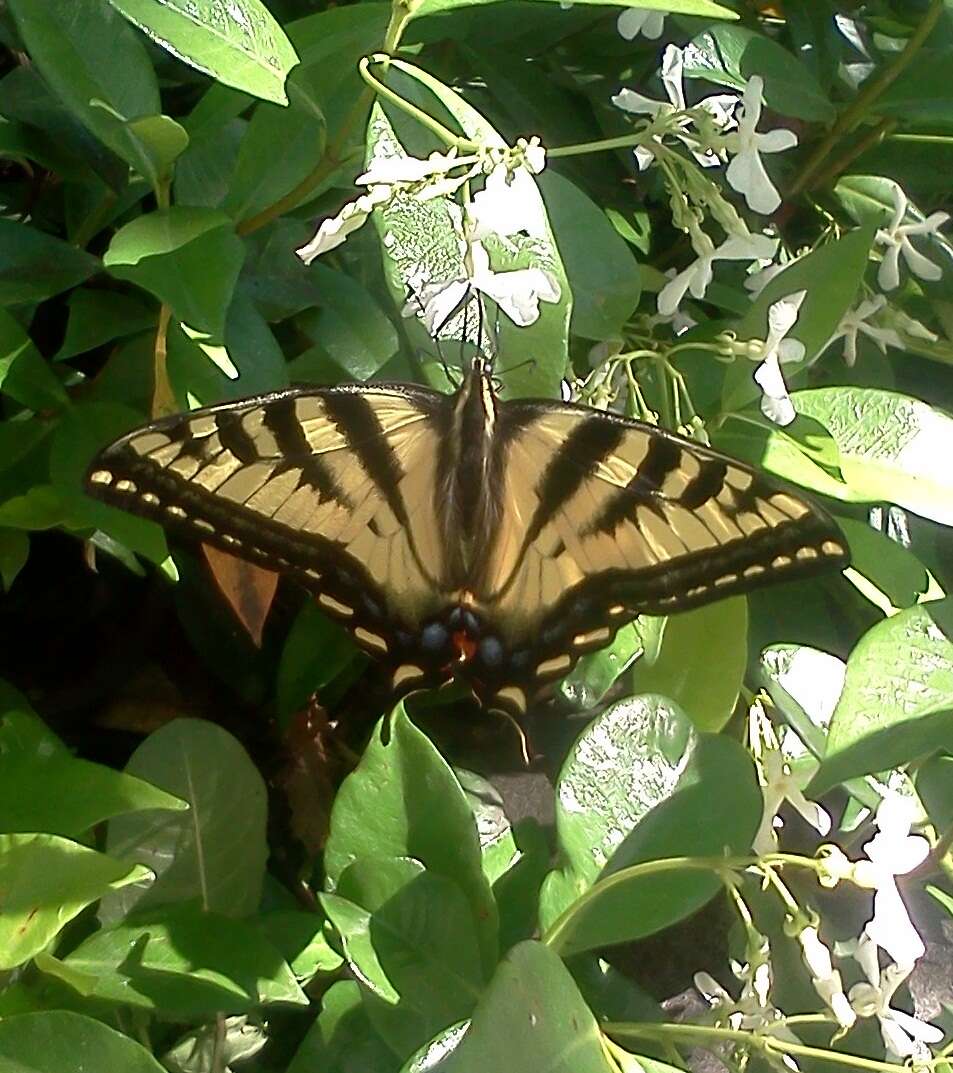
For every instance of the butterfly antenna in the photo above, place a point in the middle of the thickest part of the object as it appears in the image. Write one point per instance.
(521, 734)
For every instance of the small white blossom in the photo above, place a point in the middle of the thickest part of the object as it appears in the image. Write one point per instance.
(698, 275)
(633, 22)
(855, 321)
(410, 169)
(826, 979)
(334, 230)
(508, 203)
(779, 784)
(630, 101)
(776, 404)
(892, 852)
(534, 154)
(746, 172)
(896, 240)
(517, 292)
(904, 1035)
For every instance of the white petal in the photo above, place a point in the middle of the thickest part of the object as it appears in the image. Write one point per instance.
(630, 101)
(506, 205)
(810, 811)
(888, 275)
(917, 1029)
(333, 231)
(776, 141)
(746, 174)
(671, 295)
(776, 404)
(672, 64)
(891, 929)
(918, 264)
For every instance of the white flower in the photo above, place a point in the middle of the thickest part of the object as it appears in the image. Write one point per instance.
(896, 238)
(410, 169)
(892, 852)
(334, 230)
(534, 154)
(630, 101)
(780, 785)
(507, 204)
(517, 293)
(699, 273)
(855, 321)
(633, 22)
(826, 979)
(904, 1036)
(776, 404)
(746, 172)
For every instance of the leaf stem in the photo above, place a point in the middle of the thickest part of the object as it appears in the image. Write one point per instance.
(854, 114)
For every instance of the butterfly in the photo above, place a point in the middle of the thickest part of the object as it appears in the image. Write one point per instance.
(459, 536)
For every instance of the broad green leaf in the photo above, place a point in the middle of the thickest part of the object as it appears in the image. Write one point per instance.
(532, 1017)
(709, 805)
(22, 731)
(57, 1041)
(14, 552)
(348, 325)
(602, 272)
(409, 936)
(24, 374)
(706, 689)
(238, 43)
(40, 507)
(65, 795)
(187, 257)
(888, 565)
(186, 964)
(35, 265)
(315, 652)
(97, 317)
(831, 275)
(625, 763)
(706, 8)
(403, 800)
(592, 677)
(935, 788)
(896, 701)
(302, 940)
(100, 70)
(892, 447)
(921, 93)
(729, 55)
(214, 852)
(45, 881)
(341, 1039)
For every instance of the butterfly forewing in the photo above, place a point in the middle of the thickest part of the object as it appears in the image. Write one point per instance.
(329, 486)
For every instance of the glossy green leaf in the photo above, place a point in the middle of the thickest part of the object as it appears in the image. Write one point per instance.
(41, 507)
(729, 55)
(35, 265)
(58, 1041)
(239, 43)
(896, 700)
(409, 936)
(24, 375)
(935, 788)
(97, 317)
(403, 800)
(887, 564)
(691, 795)
(532, 1017)
(302, 940)
(592, 677)
(921, 93)
(168, 253)
(185, 964)
(341, 1039)
(45, 881)
(216, 851)
(603, 274)
(707, 690)
(892, 447)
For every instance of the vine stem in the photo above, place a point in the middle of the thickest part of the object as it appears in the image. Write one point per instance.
(858, 109)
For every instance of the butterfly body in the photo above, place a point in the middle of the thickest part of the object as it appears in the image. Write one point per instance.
(465, 537)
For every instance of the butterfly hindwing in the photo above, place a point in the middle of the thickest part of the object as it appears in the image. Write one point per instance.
(329, 486)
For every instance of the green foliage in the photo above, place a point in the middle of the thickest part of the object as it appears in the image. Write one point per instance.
(334, 884)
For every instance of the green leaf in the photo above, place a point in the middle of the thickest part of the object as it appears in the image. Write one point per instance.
(14, 552)
(896, 699)
(35, 265)
(729, 55)
(57, 1041)
(921, 93)
(706, 8)
(41, 507)
(603, 274)
(100, 70)
(239, 44)
(341, 1039)
(301, 938)
(894, 570)
(315, 652)
(707, 690)
(65, 795)
(532, 1017)
(707, 805)
(24, 375)
(45, 881)
(410, 937)
(187, 257)
(98, 317)
(934, 785)
(403, 800)
(216, 851)
(593, 676)
(186, 964)
(892, 447)
(804, 684)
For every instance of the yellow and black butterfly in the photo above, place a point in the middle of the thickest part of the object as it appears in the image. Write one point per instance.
(461, 536)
